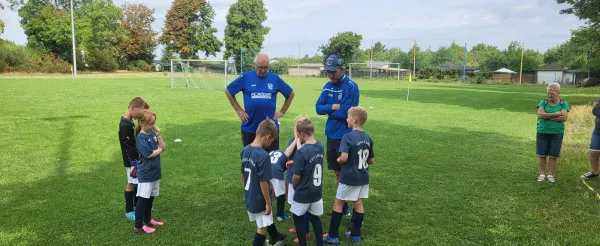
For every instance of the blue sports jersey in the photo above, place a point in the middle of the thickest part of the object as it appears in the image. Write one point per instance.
(278, 160)
(256, 168)
(308, 164)
(346, 93)
(148, 168)
(260, 96)
(288, 173)
(359, 147)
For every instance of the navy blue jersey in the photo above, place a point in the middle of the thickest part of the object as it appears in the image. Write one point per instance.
(256, 168)
(148, 168)
(359, 147)
(308, 164)
(278, 160)
(260, 96)
(289, 174)
(344, 92)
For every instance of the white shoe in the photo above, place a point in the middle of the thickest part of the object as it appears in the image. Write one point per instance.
(551, 179)
(541, 177)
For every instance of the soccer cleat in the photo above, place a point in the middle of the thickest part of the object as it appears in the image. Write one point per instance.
(589, 175)
(156, 223)
(298, 240)
(279, 239)
(354, 239)
(144, 229)
(283, 217)
(292, 230)
(331, 240)
(130, 215)
(348, 212)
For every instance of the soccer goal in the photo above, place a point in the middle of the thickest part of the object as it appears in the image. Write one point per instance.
(377, 70)
(203, 74)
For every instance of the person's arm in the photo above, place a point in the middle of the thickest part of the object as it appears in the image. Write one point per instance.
(322, 107)
(290, 149)
(127, 139)
(144, 149)
(161, 143)
(264, 188)
(596, 109)
(541, 114)
(562, 117)
(345, 105)
(288, 93)
(371, 155)
(343, 158)
(233, 88)
(297, 169)
(295, 180)
(243, 183)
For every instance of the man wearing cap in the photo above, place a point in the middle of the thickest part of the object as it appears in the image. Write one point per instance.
(260, 88)
(338, 95)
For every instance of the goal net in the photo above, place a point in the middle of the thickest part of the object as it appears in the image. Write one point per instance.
(203, 74)
(377, 70)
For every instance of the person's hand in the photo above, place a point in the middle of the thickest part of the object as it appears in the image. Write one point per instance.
(295, 133)
(157, 131)
(289, 163)
(278, 115)
(268, 209)
(335, 107)
(243, 115)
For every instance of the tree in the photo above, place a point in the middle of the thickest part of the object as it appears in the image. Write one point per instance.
(245, 29)
(167, 55)
(587, 38)
(584, 9)
(344, 44)
(188, 29)
(140, 43)
(424, 58)
(494, 62)
(1, 21)
(480, 53)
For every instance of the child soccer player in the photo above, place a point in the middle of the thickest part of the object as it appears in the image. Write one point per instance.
(357, 154)
(150, 145)
(289, 175)
(279, 159)
(256, 174)
(306, 182)
(130, 153)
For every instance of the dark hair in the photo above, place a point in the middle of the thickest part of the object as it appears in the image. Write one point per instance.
(267, 128)
(138, 102)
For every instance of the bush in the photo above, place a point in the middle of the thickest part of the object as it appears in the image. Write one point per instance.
(17, 58)
(102, 60)
(139, 66)
(4, 67)
(279, 67)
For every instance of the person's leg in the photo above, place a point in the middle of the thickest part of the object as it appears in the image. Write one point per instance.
(594, 156)
(247, 138)
(555, 146)
(360, 213)
(259, 237)
(336, 218)
(318, 227)
(129, 197)
(594, 160)
(542, 151)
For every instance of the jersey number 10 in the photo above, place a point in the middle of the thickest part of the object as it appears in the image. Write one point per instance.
(363, 157)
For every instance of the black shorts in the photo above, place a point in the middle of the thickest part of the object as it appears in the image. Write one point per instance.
(248, 138)
(333, 152)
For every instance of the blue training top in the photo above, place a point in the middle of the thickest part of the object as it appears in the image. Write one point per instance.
(260, 96)
(344, 92)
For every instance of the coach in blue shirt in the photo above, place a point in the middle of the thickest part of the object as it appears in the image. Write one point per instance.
(260, 88)
(338, 95)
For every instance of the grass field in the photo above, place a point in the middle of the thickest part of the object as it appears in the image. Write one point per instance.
(455, 165)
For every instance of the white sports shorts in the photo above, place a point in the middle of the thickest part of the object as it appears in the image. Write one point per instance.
(352, 193)
(148, 189)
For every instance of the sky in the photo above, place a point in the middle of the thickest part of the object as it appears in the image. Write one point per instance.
(307, 24)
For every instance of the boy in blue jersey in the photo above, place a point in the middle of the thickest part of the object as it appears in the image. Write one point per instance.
(356, 155)
(260, 88)
(256, 174)
(338, 95)
(279, 158)
(306, 182)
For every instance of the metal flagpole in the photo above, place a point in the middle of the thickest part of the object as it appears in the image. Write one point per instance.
(73, 37)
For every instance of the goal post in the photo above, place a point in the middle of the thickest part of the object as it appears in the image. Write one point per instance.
(376, 70)
(203, 74)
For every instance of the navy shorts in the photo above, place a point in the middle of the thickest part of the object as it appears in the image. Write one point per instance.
(333, 152)
(548, 145)
(595, 144)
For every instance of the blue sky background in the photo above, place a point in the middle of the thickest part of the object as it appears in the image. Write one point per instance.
(394, 23)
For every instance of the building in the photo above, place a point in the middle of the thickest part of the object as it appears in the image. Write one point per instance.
(554, 73)
(306, 69)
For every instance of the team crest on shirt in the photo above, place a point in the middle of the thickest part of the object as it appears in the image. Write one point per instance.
(270, 86)
(340, 96)
(155, 139)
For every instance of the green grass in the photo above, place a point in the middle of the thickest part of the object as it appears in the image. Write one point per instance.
(455, 165)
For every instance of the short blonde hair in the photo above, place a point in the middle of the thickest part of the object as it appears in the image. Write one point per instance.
(553, 86)
(359, 113)
(267, 128)
(305, 125)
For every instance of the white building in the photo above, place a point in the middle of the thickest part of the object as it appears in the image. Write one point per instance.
(555, 73)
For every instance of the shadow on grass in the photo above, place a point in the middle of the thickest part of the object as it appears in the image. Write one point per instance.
(450, 186)
(523, 102)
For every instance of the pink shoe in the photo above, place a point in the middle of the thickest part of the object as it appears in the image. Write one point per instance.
(144, 229)
(156, 223)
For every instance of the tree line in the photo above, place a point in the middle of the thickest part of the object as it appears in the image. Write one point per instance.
(110, 37)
